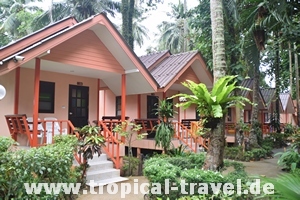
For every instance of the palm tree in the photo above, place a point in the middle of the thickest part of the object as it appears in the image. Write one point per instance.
(80, 9)
(173, 35)
(215, 152)
(16, 18)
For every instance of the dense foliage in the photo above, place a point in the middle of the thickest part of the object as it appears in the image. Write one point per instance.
(48, 164)
(188, 167)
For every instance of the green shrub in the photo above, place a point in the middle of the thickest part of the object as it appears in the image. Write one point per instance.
(47, 164)
(157, 170)
(289, 159)
(234, 153)
(236, 165)
(279, 139)
(5, 143)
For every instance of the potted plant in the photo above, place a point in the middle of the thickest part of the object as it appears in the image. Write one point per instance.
(164, 129)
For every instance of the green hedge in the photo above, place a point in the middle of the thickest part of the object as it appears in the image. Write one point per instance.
(48, 164)
(158, 169)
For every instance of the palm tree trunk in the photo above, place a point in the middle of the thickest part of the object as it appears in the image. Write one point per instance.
(130, 22)
(218, 41)
(277, 83)
(185, 40)
(253, 139)
(215, 153)
(291, 67)
(297, 83)
(125, 22)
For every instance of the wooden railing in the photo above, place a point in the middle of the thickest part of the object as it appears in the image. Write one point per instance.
(147, 124)
(113, 141)
(184, 134)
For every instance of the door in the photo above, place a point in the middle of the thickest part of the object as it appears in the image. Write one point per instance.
(152, 102)
(78, 105)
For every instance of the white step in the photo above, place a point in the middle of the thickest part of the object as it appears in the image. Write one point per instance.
(102, 174)
(94, 166)
(102, 157)
(107, 181)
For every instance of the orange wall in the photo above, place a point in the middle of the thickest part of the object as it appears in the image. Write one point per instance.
(7, 103)
(107, 103)
(62, 82)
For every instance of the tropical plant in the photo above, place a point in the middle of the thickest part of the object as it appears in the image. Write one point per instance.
(164, 129)
(289, 159)
(214, 103)
(178, 151)
(90, 143)
(286, 186)
(131, 132)
(212, 106)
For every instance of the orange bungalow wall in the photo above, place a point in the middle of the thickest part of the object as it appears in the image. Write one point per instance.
(7, 103)
(62, 82)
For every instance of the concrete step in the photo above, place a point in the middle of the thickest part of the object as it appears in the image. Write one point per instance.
(102, 174)
(102, 157)
(100, 165)
(106, 181)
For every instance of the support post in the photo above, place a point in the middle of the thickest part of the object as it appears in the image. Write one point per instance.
(17, 90)
(36, 101)
(123, 101)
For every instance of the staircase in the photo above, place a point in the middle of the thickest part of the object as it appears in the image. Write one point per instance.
(102, 171)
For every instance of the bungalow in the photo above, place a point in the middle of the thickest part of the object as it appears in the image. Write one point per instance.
(59, 70)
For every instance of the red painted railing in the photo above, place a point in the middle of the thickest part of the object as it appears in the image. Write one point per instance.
(113, 140)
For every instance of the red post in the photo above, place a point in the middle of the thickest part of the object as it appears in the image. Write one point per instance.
(98, 99)
(138, 106)
(123, 97)
(17, 90)
(123, 101)
(36, 101)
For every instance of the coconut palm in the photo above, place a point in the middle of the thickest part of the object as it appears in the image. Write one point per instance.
(16, 17)
(173, 34)
(80, 9)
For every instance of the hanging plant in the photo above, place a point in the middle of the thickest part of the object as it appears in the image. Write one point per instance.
(212, 105)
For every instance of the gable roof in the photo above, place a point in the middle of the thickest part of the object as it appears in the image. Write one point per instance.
(287, 102)
(268, 95)
(152, 58)
(32, 38)
(166, 68)
(248, 83)
(107, 34)
(165, 71)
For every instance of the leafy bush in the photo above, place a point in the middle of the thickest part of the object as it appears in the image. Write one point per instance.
(158, 169)
(6, 143)
(236, 153)
(279, 139)
(47, 164)
(134, 164)
(289, 159)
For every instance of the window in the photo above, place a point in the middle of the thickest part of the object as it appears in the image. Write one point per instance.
(118, 106)
(46, 98)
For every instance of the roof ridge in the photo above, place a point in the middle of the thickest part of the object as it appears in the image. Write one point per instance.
(153, 53)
